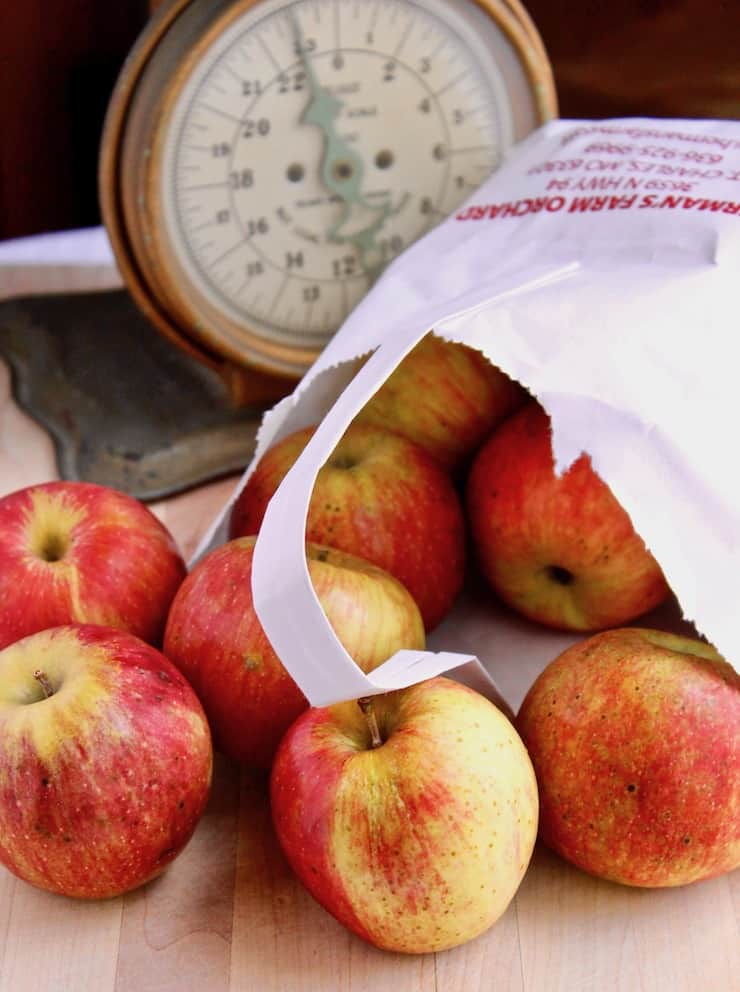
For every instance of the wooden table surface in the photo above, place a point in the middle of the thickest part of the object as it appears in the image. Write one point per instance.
(229, 915)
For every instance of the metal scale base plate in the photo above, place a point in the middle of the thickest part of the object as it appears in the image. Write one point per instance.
(124, 407)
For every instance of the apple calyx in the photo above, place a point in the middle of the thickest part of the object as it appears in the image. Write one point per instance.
(43, 681)
(53, 547)
(366, 705)
(343, 462)
(562, 576)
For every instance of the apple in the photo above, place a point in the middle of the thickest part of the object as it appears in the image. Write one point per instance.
(410, 817)
(633, 734)
(561, 551)
(74, 552)
(446, 397)
(105, 761)
(215, 639)
(381, 497)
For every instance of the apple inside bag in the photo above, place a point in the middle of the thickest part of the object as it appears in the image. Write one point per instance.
(597, 269)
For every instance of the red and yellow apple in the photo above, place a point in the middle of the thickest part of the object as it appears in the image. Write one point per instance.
(634, 737)
(381, 497)
(446, 397)
(105, 761)
(74, 552)
(560, 550)
(215, 639)
(414, 827)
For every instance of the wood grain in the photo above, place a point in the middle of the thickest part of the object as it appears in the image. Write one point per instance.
(229, 916)
(26, 453)
(60, 944)
(182, 923)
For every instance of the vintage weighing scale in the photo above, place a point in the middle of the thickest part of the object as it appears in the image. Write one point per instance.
(263, 161)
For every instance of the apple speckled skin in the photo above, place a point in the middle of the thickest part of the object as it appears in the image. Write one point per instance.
(561, 551)
(417, 845)
(446, 397)
(75, 552)
(103, 781)
(381, 497)
(635, 739)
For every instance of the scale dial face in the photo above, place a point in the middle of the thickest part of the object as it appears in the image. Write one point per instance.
(311, 141)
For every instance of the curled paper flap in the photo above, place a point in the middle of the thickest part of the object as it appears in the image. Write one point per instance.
(301, 635)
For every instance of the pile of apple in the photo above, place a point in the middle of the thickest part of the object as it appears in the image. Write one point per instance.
(410, 816)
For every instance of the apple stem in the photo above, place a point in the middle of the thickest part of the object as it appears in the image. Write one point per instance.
(44, 682)
(366, 706)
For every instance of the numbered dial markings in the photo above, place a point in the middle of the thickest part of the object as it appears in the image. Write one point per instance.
(314, 142)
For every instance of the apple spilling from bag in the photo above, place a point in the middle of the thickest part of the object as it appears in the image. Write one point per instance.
(381, 497)
(105, 751)
(215, 638)
(446, 397)
(560, 550)
(410, 816)
(635, 739)
(74, 552)
(105, 761)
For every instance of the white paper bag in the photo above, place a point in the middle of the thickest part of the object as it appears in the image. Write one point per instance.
(598, 267)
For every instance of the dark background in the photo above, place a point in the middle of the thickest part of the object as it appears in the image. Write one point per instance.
(59, 60)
